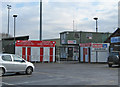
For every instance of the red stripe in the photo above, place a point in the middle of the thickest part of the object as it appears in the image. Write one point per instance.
(24, 53)
(28, 54)
(84, 51)
(41, 54)
(51, 54)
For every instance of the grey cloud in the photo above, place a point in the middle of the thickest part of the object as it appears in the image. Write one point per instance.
(58, 18)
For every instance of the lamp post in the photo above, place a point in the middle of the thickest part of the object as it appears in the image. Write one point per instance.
(96, 32)
(9, 7)
(14, 16)
(96, 23)
(14, 24)
(40, 20)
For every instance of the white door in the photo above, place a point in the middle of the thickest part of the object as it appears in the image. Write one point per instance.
(93, 56)
(46, 55)
(102, 56)
(35, 53)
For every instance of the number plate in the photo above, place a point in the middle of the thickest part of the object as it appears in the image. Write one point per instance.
(110, 62)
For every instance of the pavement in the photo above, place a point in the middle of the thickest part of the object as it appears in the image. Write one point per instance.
(66, 74)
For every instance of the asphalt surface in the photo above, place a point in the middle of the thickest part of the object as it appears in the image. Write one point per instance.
(65, 74)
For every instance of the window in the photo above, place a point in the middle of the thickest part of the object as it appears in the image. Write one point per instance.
(17, 58)
(76, 35)
(63, 36)
(6, 58)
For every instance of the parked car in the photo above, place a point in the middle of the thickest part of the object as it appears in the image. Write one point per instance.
(113, 59)
(10, 63)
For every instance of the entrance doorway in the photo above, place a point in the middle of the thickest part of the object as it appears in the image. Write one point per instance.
(70, 53)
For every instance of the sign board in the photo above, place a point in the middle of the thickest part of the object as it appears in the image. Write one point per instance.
(71, 41)
(96, 46)
(85, 45)
(100, 47)
(22, 43)
(89, 35)
(115, 39)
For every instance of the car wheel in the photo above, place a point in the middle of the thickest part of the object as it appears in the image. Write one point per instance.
(2, 71)
(110, 65)
(119, 64)
(29, 71)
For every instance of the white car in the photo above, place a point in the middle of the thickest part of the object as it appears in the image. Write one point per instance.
(10, 63)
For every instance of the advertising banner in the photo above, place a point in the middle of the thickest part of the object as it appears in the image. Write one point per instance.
(100, 47)
(71, 41)
(22, 43)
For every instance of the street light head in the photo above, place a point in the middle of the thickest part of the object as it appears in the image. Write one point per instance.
(95, 18)
(9, 6)
(14, 15)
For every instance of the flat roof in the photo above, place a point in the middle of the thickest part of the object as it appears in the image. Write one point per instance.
(17, 38)
(83, 32)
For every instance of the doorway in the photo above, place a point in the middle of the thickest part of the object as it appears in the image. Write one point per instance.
(70, 53)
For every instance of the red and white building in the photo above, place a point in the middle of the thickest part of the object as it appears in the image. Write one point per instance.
(94, 52)
(36, 51)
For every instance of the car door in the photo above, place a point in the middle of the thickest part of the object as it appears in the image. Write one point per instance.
(19, 63)
(8, 63)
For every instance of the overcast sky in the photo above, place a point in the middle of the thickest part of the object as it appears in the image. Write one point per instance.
(58, 16)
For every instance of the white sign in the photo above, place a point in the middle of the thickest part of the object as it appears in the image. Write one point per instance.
(99, 47)
(71, 41)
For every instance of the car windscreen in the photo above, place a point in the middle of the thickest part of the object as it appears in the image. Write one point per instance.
(17, 58)
(114, 53)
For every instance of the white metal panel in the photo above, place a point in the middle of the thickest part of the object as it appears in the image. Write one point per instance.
(53, 54)
(93, 56)
(102, 56)
(46, 54)
(35, 53)
(86, 56)
(26, 53)
(81, 54)
(18, 51)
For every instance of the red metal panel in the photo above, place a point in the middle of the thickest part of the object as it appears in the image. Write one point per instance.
(84, 49)
(24, 53)
(51, 54)
(28, 53)
(41, 54)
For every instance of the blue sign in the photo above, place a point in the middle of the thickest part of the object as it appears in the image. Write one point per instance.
(104, 45)
(115, 39)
